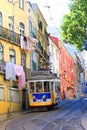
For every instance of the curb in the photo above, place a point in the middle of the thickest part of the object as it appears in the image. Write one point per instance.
(84, 121)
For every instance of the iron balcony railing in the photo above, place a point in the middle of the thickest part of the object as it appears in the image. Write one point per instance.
(9, 35)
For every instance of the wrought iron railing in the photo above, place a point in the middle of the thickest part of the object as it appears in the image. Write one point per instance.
(9, 35)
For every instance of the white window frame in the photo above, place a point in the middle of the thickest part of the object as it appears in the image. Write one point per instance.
(22, 28)
(11, 1)
(13, 95)
(1, 19)
(21, 4)
(12, 56)
(11, 23)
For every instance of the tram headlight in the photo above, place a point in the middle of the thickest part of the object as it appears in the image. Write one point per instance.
(34, 98)
(44, 97)
(39, 100)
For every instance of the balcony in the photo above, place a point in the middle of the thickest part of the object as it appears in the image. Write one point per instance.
(9, 35)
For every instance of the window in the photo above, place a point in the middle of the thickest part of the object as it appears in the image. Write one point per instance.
(23, 60)
(11, 1)
(1, 19)
(46, 87)
(39, 87)
(31, 87)
(12, 56)
(11, 23)
(1, 92)
(1, 52)
(30, 28)
(13, 95)
(21, 4)
(22, 28)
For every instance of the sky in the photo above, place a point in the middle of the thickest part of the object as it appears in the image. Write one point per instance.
(53, 10)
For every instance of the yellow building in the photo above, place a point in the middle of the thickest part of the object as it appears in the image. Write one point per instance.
(42, 36)
(13, 22)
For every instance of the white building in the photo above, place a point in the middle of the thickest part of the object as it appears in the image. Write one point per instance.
(54, 56)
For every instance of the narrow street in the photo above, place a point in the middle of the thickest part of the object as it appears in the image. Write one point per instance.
(67, 116)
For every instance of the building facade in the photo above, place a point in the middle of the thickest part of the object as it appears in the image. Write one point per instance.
(66, 71)
(13, 24)
(53, 56)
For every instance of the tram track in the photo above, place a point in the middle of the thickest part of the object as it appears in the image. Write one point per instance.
(45, 118)
(61, 118)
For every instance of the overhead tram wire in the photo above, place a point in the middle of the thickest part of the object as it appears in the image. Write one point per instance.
(51, 18)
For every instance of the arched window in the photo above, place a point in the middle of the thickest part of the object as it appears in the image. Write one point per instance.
(12, 56)
(1, 19)
(23, 60)
(1, 52)
(22, 28)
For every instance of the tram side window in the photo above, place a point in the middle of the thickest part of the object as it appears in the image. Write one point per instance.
(52, 86)
(32, 87)
(46, 87)
(57, 89)
(39, 87)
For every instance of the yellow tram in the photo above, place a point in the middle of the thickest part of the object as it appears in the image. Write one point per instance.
(43, 90)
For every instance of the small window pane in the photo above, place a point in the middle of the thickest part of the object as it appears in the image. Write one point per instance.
(31, 87)
(1, 92)
(1, 52)
(39, 87)
(22, 28)
(10, 1)
(23, 60)
(1, 19)
(11, 23)
(12, 56)
(21, 4)
(13, 95)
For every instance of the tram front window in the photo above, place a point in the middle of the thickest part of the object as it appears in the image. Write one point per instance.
(46, 87)
(39, 87)
(31, 87)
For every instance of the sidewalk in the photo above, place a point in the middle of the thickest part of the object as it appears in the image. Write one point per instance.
(84, 121)
(5, 119)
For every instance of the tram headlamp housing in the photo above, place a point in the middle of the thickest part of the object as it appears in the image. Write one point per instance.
(34, 98)
(44, 98)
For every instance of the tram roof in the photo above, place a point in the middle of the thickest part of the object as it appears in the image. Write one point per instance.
(43, 78)
(43, 75)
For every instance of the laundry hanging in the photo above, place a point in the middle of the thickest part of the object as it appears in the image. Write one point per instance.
(9, 73)
(15, 70)
(21, 75)
(28, 43)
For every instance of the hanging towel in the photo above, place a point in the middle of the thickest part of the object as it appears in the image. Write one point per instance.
(21, 76)
(9, 71)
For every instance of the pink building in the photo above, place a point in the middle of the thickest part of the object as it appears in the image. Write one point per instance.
(66, 70)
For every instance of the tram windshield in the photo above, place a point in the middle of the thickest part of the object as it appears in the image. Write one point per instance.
(46, 87)
(39, 87)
